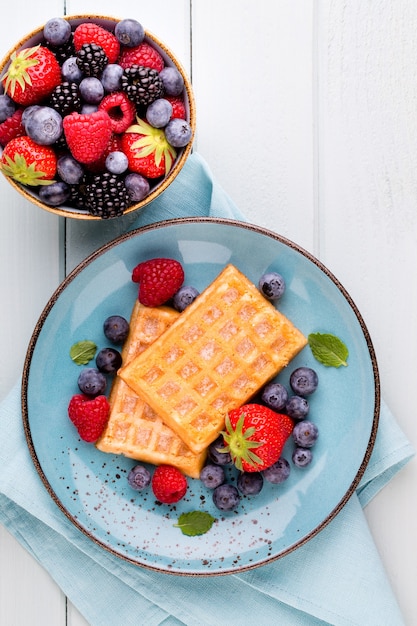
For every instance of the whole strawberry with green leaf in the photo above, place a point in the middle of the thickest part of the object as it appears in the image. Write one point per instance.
(32, 75)
(148, 150)
(28, 163)
(255, 436)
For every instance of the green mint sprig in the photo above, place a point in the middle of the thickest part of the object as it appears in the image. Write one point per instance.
(195, 523)
(328, 349)
(83, 351)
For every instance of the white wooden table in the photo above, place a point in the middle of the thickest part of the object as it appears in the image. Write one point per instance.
(307, 115)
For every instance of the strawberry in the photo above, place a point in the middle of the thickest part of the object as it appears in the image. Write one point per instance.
(89, 415)
(147, 150)
(178, 107)
(88, 32)
(27, 162)
(159, 280)
(87, 135)
(120, 109)
(32, 75)
(144, 55)
(12, 127)
(255, 436)
(169, 485)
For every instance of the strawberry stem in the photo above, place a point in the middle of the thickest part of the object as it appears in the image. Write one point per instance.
(239, 444)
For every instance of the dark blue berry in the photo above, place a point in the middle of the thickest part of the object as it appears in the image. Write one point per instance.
(116, 328)
(44, 125)
(297, 407)
(7, 107)
(184, 297)
(70, 71)
(304, 381)
(275, 396)
(159, 113)
(117, 162)
(226, 497)
(70, 170)
(54, 194)
(138, 186)
(219, 458)
(212, 476)
(92, 382)
(301, 457)
(57, 31)
(172, 81)
(108, 360)
(129, 32)
(111, 77)
(178, 132)
(272, 285)
(139, 477)
(91, 90)
(278, 472)
(250, 483)
(305, 434)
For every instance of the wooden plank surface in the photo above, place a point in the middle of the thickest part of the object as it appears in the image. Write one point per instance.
(306, 115)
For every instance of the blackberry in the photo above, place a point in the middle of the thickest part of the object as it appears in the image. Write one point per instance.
(65, 98)
(142, 85)
(64, 51)
(106, 195)
(91, 59)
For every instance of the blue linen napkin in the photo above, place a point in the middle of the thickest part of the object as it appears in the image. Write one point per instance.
(336, 578)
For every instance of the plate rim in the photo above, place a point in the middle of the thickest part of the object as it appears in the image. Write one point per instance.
(130, 234)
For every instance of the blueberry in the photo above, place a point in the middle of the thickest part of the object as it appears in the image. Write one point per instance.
(117, 162)
(139, 477)
(172, 81)
(250, 483)
(219, 458)
(111, 78)
(87, 109)
(108, 360)
(92, 382)
(272, 285)
(7, 107)
(297, 407)
(305, 434)
(301, 457)
(159, 113)
(129, 32)
(70, 71)
(28, 112)
(226, 497)
(57, 31)
(55, 194)
(184, 297)
(70, 170)
(278, 472)
(178, 132)
(44, 125)
(116, 328)
(138, 186)
(212, 476)
(275, 396)
(91, 90)
(304, 381)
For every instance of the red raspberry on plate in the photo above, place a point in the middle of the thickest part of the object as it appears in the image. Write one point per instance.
(89, 415)
(88, 32)
(143, 54)
(159, 280)
(120, 109)
(12, 127)
(168, 484)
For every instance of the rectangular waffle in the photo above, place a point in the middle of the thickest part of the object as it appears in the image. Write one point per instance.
(134, 429)
(217, 354)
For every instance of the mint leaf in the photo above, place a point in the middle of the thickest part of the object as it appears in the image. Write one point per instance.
(82, 352)
(328, 349)
(195, 523)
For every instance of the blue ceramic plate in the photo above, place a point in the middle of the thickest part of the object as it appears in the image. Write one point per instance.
(91, 487)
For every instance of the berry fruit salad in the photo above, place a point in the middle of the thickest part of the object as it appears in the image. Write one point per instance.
(96, 117)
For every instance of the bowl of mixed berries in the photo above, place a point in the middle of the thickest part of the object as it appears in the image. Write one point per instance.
(97, 117)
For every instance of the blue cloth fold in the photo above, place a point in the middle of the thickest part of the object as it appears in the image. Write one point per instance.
(336, 578)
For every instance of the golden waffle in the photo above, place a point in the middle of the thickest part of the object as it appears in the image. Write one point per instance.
(134, 429)
(217, 354)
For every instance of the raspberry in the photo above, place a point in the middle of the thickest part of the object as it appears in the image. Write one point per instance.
(87, 135)
(88, 415)
(159, 280)
(168, 484)
(144, 55)
(88, 32)
(12, 127)
(178, 107)
(120, 110)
